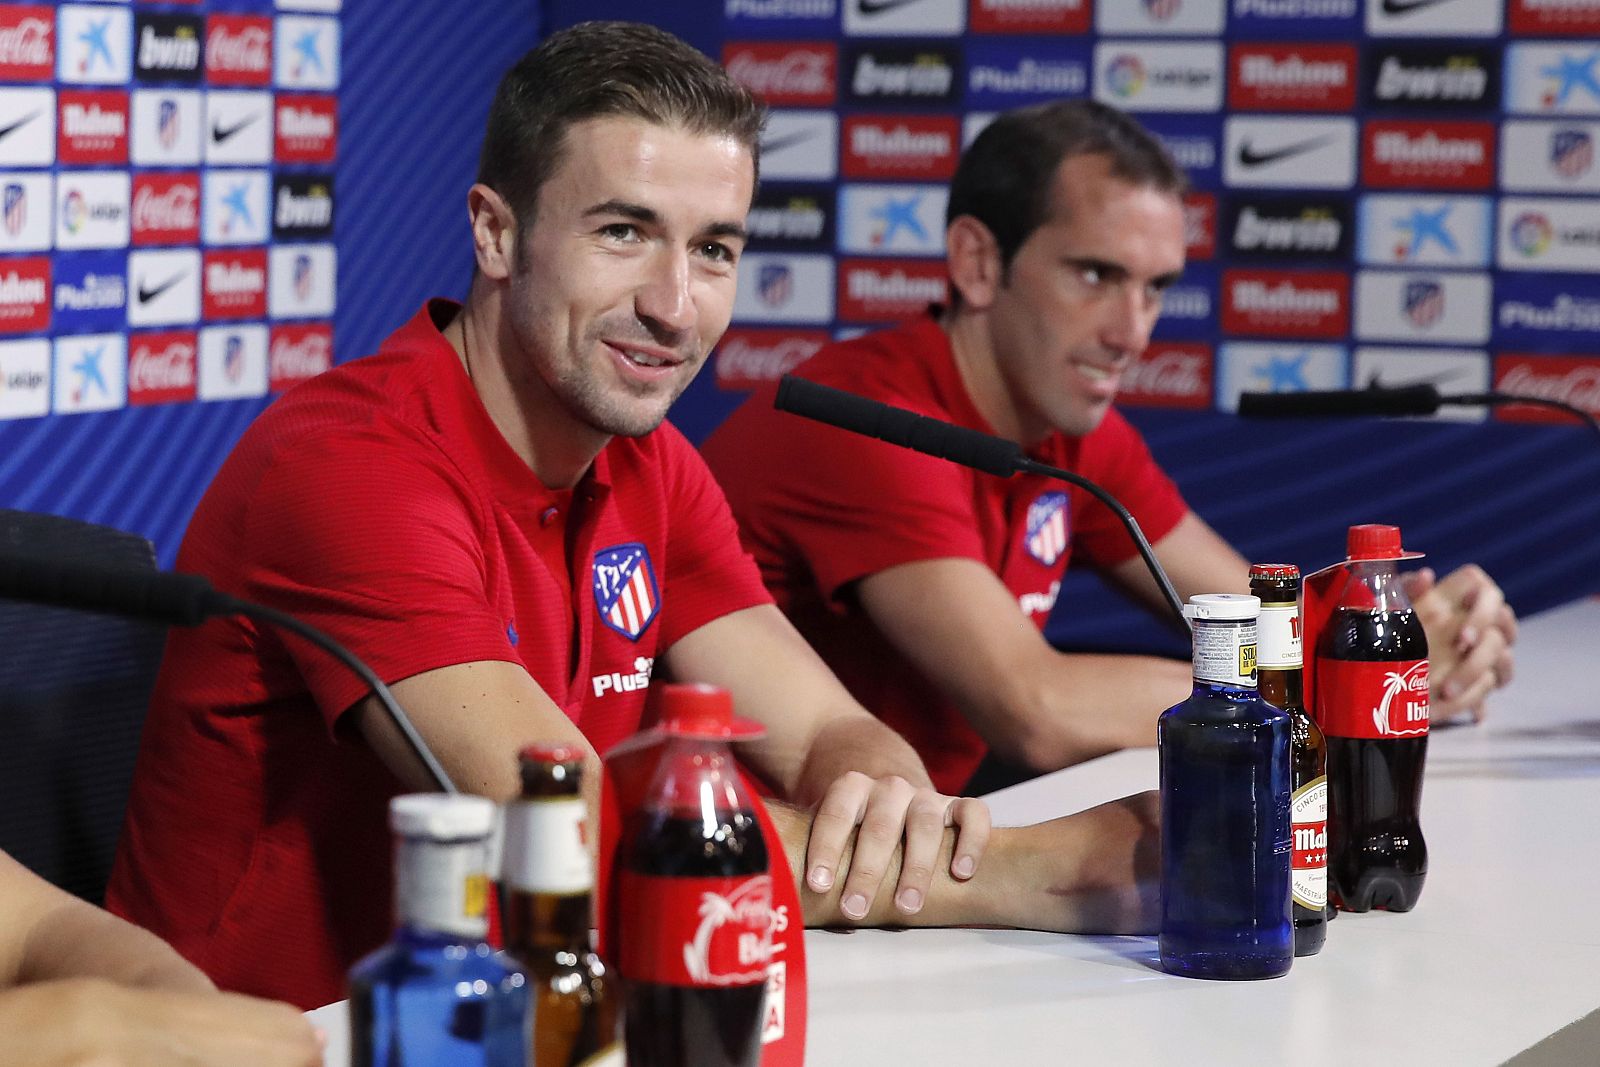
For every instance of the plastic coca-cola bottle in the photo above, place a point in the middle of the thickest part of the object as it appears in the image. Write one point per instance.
(695, 897)
(1372, 704)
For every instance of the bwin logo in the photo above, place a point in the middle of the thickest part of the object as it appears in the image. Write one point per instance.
(617, 682)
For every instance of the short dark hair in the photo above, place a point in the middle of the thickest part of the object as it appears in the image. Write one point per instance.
(597, 69)
(1004, 177)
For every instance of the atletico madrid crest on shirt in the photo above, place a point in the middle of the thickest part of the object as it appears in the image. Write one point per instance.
(625, 589)
(1047, 527)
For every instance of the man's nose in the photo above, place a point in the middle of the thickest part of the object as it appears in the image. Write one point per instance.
(663, 297)
(1130, 319)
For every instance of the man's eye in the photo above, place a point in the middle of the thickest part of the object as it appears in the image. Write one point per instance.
(718, 252)
(1091, 275)
(620, 231)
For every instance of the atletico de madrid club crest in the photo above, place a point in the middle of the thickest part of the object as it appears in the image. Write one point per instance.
(625, 589)
(1047, 527)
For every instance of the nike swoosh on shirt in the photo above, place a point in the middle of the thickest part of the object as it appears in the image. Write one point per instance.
(878, 7)
(1249, 156)
(149, 293)
(1376, 380)
(1406, 7)
(7, 131)
(220, 133)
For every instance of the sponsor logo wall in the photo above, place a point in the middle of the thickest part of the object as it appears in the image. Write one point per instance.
(167, 201)
(1381, 190)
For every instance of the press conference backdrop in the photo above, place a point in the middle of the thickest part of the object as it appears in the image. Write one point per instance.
(205, 202)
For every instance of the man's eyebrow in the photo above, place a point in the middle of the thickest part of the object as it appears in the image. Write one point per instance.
(727, 229)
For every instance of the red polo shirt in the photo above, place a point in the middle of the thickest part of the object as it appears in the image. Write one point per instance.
(821, 508)
(379, 503)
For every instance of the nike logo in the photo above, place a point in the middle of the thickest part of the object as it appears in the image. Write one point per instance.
(149, 293)
(878, 7)
(1375, 380)
(220, 133)
(1250, 156)
(778, 144)
(7, 131)
(1406, 7)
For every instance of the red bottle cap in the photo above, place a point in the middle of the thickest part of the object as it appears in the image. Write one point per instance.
(703, 711)
(1273, 570)
(1375, 541)
(552, 752)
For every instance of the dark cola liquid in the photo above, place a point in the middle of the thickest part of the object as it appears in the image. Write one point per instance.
(1376, 855)
(674, 1026)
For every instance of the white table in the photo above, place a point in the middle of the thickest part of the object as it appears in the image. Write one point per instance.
(1498, 960)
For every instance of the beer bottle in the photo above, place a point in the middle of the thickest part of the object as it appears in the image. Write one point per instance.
(1279, 658)
(437, 993)
(1225, 844)
(548, 882)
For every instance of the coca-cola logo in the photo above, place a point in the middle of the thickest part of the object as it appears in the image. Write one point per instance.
(1566, 380)
(296, 358)
(746, 360)
(27, 40)
(162, 368)
(1170, 375)
(733, 942)
(1402, 709)
(165, 207)
(239, 49)
(784, 73)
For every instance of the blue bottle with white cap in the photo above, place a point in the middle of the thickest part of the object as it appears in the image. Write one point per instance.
(1225, 819)
(437, 994)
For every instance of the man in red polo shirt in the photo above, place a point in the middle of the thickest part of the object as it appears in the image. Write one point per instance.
(907, 573)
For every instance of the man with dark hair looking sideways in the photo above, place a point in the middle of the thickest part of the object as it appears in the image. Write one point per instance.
(491, 513)
(925, 585)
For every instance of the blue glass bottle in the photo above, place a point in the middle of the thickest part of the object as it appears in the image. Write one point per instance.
(436, 995)
(1225, 821)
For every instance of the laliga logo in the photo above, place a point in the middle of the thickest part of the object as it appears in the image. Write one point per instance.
(1125, 75)
(747, 914)
(1413, 682)
(1531, 233)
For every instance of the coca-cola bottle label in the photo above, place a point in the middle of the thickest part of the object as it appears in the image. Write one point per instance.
(714, 932)
(1379, 700)
(1308, 816)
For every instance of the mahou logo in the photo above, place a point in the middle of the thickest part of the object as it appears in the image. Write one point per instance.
(793, 74)
(748, 357)
(1572, 380)
(889, 290)
(307, 129)
(1566, 17)
(1169, 374)
(27, 43)
(24, 294)
(910, 146)
(1292, 77)
(161, 367)
(234, 284)
(239, 50)
(1029, 16)
(1430, 155)
(166, 209)
(92, 126)
(1290, 303)
(1200, 225)
(297, 353)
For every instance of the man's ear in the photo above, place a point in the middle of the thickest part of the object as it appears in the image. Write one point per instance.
(973, 256)
(494, 232)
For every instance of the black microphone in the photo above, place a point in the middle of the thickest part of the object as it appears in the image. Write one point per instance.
(970, 448)
(179, 600)
(1421, 399)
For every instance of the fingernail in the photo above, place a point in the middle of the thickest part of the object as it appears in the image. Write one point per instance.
(1467, 638)
(855, 906)
(962, 867)
(821, 878)
(908, 901)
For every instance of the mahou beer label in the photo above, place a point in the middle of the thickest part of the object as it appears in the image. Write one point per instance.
(705, 932)
(1374, 700)
(1279, 627)
(1308, 814)
(544, 847)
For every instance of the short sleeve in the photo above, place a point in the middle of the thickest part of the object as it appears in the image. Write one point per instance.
(709, 574)
(378, 543)
(1116, 457)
